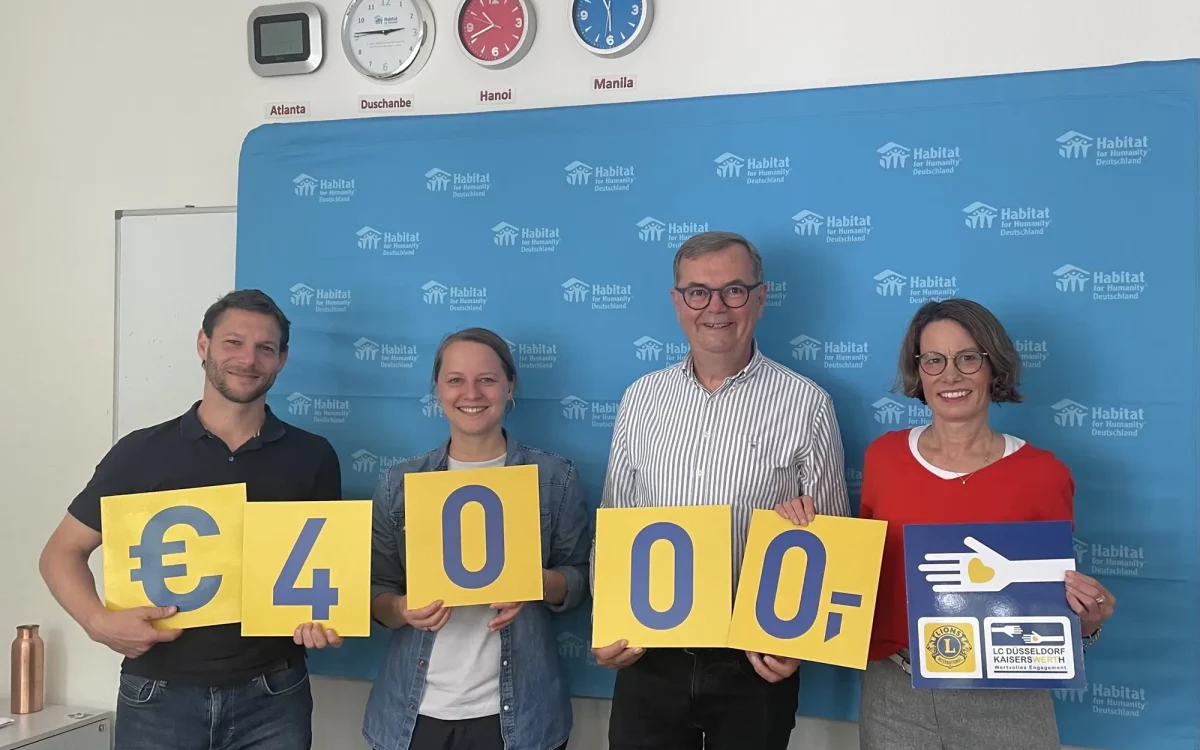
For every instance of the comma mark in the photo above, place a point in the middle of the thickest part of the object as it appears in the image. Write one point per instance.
(833, 626)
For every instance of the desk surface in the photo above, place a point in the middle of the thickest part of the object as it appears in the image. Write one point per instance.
(51, 720)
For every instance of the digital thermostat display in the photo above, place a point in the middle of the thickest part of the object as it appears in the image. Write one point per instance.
(285, 39)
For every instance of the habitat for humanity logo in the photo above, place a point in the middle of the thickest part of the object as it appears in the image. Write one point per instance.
(321, 410)
(925, 160)
(320, 300)
(364, 461)
(1107, 286)
(461, 298)
(534, 356)
(571, 646)
(834, 355)
(918, 289)
(892, 413)
(776, 293)
(854, 480)
(838, 228)
(1109, 559)
(1102, 421)
(1033, 353)
(675, 233)
(458, 184)
(1014, 221)
(605, 179)
(390, 243)
(431, 407)
(389, 356)
(601, 296)
(529, 239)
(326, 191)
(759, 170)
(649, 349)
(1109, 698)
(597, 413)
(1105, 150)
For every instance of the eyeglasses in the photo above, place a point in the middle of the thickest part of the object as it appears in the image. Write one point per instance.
(968, 362)
(698, 297)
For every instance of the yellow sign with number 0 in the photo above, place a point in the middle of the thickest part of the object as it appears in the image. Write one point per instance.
(473, 536)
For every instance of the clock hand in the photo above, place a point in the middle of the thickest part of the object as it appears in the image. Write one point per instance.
(477, 33)
(377, 31)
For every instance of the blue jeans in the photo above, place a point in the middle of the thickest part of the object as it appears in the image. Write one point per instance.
(273, 711)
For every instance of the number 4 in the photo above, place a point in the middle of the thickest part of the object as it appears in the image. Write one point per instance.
(320, 596)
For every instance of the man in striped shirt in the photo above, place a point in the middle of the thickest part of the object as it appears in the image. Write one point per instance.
(726, 426)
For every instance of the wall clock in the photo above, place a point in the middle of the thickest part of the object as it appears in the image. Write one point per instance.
(388, 40)
(495, 33)
(611, 28)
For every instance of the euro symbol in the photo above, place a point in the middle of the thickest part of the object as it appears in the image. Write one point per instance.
(153, 574)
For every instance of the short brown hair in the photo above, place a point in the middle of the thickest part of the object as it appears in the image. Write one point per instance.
(981, 325)
(250, 300)
(711, 242)
(483, 336)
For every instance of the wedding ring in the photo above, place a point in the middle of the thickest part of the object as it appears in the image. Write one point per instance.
(1100, 599)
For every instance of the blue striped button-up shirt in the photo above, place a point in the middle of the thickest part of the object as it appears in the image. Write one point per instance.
(765, 435)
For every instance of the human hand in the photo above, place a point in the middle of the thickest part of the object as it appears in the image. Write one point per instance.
(798, 510)
(984, 569)
(1091, 601)
(773, 668)
(312, 635)
(508, 612)
(431, 617)
(617, 655)
(129, 632)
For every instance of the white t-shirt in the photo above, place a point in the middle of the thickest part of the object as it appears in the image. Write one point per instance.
(1011, 446)
(463, 681)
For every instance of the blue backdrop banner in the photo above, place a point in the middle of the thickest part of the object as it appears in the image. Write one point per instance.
(1065, 201)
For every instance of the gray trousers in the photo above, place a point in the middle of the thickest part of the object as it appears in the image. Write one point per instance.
(896, 716)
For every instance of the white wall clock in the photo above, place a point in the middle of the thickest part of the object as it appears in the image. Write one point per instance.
(495, 33)
(388, 40)
(611, 28)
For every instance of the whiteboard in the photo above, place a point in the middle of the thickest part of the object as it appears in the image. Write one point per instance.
(171, 265)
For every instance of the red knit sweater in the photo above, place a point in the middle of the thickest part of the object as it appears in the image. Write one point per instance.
(1029, 484)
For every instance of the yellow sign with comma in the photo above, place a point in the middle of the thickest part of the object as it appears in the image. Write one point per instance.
(473, 536)
(175, 548)
(808, 592)
(663, 577)
(307, 562)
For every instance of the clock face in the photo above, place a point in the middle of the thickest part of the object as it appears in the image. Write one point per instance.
(387, 38)
(611, 27)
(495, 33)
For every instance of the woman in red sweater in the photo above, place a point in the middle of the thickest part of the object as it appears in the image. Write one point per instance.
(957, 358)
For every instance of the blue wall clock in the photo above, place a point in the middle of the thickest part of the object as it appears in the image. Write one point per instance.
(611, 28)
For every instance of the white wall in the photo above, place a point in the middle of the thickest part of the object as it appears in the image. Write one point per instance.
(109, 105)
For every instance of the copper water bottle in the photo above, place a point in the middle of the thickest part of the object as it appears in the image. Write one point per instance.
(28, 670)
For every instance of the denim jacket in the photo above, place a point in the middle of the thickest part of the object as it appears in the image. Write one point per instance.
(535, 704)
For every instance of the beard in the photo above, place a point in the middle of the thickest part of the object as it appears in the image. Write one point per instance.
(220, 381)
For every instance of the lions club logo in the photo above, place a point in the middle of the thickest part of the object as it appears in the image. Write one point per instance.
(949, 646)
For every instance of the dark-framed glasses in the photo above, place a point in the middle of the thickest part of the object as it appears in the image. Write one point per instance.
(697, 297)
(968, 362)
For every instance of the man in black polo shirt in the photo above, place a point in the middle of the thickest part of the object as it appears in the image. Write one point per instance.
(205, 687)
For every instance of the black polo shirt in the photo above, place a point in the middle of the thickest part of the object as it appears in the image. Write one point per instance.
(282, 463)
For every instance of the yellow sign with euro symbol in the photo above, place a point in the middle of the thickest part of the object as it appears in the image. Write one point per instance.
(663, 577)
(175, 548)
(473, 536)
(808, 592)
(307, 562)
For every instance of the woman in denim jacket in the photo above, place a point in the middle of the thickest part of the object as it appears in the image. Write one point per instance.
(476, 677)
